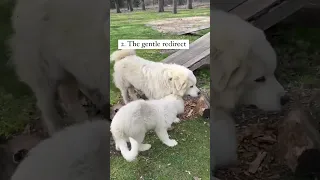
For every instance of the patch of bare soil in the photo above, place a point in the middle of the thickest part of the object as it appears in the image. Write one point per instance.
(258, 137)
(180, 25)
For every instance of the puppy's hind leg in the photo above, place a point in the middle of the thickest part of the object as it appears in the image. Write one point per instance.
(139, 139)
(164, 137)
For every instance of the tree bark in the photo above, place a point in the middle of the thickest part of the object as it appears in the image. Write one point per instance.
(143, 5)
(189, 4)
(129, 3)
(117, 6)
(174, 6)
(161, 4)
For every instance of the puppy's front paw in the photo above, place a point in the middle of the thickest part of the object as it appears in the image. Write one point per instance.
(177, 120)
(171, 142)
(144, 147)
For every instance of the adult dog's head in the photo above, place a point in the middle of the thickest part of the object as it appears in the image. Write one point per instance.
(183, 82)
(244, 74)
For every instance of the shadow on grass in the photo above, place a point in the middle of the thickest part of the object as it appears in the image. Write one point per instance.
(16, 100)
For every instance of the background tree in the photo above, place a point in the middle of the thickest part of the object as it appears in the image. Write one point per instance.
(116, 2)
(180, 2)
(143, 6)
(161, 6)
(189, 4)
(174, 6)
(129, 4)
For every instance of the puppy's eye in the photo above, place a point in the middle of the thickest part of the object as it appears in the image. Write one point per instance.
(116, 110)
(191, 86)
(261, 79)
(170, 79)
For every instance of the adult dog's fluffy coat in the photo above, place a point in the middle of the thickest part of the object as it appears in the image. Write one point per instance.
(133, 120)
(242, 73)
(156, 80)
(79, 152)
(57, 46)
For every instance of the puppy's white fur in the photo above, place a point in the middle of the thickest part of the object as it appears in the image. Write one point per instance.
(156, 80)
(136, 118)
(79, 152)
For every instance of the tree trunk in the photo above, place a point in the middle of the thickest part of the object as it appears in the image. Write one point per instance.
(189, 4)
(180, 2)
(174, 6)
(117, 6)
(129, 2)
(143, 5)
(161, 4)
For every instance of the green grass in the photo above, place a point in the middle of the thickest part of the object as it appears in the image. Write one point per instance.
(191, 155)
(189, 159)
(298, 54)
(16, 101)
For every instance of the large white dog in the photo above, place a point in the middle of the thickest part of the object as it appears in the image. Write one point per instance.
(57, 46)
(136, 118)
(156, 80)
(242, 70)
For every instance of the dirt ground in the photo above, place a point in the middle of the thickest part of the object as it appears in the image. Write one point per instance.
(179, 25)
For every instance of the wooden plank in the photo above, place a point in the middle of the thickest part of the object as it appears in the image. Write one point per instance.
(197, 57)
(279, 13)
(197, 47)
(201, 63)
(251, 7)
(226, 5)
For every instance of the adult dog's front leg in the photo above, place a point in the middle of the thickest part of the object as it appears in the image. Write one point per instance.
(124, 94)
(164, 137)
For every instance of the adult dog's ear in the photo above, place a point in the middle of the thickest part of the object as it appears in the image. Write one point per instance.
(229, 68)
(179, 80)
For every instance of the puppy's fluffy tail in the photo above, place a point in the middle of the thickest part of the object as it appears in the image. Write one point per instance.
(132, 154)
(120, 54)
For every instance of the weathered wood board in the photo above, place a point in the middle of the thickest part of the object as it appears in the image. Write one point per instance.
(198, 50)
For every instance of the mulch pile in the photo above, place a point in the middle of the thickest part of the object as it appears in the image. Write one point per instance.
(258, 148)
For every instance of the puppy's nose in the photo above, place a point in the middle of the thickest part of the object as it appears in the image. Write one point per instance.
(199, 93)
(284, 100)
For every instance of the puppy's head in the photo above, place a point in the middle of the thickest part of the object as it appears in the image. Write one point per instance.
(176, 101)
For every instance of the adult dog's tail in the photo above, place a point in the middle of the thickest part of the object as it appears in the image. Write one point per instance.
(120, 54)
(132, 154)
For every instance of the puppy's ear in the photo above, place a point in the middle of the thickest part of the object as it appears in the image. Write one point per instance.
(229, 68)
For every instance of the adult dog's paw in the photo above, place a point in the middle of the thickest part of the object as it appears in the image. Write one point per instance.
(171, 143)
(177, 120)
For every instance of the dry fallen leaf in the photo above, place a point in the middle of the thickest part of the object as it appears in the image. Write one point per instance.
(190, 113)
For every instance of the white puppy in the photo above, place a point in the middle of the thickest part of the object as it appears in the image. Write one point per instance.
(135, 119)
(155, 79)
